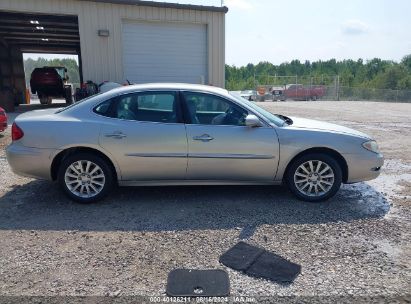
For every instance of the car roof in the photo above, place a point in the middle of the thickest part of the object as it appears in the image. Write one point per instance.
(169, 86)
(142, 87)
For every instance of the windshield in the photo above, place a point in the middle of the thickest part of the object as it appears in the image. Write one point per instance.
(60, 71)
(278, 121)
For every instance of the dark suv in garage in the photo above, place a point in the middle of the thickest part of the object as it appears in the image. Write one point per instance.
(49, 82)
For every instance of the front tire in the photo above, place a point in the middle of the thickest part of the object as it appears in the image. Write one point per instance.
(314, 177)
(85, 178)
(67, 95)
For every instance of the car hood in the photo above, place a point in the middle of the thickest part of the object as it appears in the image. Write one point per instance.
(303, 123)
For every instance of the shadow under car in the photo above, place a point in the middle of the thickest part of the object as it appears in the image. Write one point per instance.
(39, 205)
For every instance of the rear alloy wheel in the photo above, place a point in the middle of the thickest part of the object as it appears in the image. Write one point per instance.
(85, 178)
(314, 177)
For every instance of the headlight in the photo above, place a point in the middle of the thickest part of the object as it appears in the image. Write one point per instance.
(371, 146)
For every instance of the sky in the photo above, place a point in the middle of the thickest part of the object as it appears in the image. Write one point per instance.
(280, 31)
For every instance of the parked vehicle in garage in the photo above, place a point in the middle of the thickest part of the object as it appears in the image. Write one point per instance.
(181, 134)
(49, 83)
(300, 92)
(250, 95)
(3, 120)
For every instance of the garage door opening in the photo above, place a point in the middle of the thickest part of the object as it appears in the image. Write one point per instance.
(66, 65)
(23, 33)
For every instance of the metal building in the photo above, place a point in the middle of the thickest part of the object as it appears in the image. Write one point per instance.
(116, 40)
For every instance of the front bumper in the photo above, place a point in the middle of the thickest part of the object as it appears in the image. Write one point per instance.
(364, 166)
(30, 162)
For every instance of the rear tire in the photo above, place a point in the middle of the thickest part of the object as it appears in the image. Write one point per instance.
(85, 178)
(43, 98)
(314, 177)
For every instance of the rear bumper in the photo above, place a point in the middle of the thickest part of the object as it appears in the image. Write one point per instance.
(49, 90)
(30, 162)
(364, 166)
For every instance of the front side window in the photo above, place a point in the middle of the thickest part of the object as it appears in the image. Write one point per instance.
(275, 119)
(209, 109)
(150, 106)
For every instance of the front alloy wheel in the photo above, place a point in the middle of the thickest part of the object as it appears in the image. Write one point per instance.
(85, 178)
(314, 177)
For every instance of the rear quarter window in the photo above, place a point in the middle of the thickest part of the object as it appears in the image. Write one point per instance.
(103, 108)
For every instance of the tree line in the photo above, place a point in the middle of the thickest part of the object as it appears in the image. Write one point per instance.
(375, 73)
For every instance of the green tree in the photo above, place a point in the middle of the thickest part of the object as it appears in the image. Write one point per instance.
(375, 73)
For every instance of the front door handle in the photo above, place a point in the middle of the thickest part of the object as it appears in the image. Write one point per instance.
(203, 138)
(116, 135)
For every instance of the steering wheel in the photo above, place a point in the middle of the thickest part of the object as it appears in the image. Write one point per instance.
(232, 116)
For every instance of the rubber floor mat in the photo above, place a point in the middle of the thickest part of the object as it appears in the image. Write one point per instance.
(260, 263)
(198, 283)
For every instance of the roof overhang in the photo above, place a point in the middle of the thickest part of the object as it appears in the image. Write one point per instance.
(32, 32)
(221, 9)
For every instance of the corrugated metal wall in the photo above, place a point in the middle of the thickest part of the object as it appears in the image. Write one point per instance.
(102, 57)
(144, 46)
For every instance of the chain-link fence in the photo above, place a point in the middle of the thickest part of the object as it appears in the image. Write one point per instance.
(324, 87)
(350, 93)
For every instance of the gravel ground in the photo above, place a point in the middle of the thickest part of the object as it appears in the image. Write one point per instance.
(358, 243)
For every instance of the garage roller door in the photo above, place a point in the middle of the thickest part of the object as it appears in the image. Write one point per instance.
(165, 52)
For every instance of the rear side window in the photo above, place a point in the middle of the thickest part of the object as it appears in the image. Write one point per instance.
(150, 106)
(103, 108)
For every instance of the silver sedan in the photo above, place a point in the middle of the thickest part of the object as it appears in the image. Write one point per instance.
(181, 134)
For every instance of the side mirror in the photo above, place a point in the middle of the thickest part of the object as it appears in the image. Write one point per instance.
(252, 121)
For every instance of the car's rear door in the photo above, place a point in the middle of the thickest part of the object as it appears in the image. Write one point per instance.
(145, 135)
(221, 147)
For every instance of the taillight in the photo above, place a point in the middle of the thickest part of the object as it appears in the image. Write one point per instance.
(16, 132)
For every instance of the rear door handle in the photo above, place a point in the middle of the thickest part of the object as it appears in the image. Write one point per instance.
(203, 138)
(116, 135)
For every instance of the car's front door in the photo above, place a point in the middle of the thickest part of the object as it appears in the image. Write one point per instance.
(144, 133)
(221, 147)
